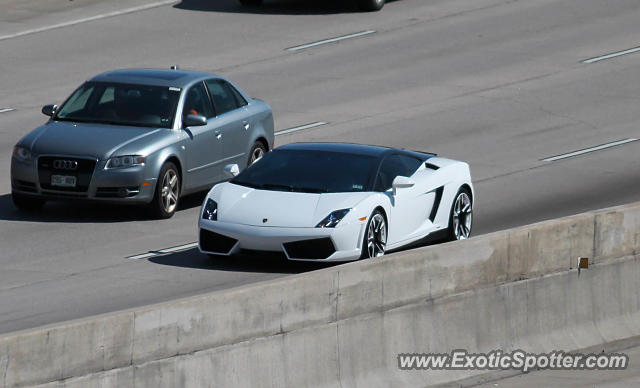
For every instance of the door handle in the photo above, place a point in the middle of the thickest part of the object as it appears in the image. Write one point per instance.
(246, 125)
(218, 134)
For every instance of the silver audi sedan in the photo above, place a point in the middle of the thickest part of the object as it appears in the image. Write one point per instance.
(140, 136)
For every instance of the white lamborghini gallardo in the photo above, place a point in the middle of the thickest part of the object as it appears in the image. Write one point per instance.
(336, 202)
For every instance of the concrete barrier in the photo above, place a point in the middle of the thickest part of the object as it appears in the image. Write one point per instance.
(345, 325)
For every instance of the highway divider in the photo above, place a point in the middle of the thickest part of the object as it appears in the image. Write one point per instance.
(346, 325)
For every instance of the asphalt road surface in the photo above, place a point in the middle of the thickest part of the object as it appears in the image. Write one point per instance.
(498, 83)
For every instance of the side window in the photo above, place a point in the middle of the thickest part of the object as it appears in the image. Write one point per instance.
(392, 166)
(223, 98)
(412, 164)
(107, 96)
(239, 99)
(197, 102)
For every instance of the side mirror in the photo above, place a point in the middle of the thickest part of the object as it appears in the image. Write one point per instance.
(231, 170)
(401, 182)
(49, 110)
(194, 120)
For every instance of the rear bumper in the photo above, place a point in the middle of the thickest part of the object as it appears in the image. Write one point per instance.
(342, 243)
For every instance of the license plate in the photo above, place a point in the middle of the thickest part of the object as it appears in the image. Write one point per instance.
(63, 180)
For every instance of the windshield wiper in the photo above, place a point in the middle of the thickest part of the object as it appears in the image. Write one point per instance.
(107, 122)
(280, 187)
(247, 184)
(274, 186)
(73, 119)
(310, 190)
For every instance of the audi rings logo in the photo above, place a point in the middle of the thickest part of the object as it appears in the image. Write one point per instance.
(65, 164)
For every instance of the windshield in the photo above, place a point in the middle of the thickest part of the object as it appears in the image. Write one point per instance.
(309, 172)
(121, 104)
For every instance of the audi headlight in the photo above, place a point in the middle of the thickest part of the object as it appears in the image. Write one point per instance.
(210, 211)
(332, 219)
(21, 153)
(125, 161)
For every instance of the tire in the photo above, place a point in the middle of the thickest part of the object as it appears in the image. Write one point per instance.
(257, 151)
(461, 216)
(376, 234)
(27, 203)
(370, 5)
(167, 195)
(250, 3)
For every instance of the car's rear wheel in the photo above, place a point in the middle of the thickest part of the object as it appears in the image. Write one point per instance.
(165, 200)
(375, 237)
(250, 3)
(257, 152)
(24, 202)
(371, 5)
(461, 216)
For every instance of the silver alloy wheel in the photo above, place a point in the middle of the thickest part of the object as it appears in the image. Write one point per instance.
(376, 236)
(256, 155)
(462, 216)
(170, 190)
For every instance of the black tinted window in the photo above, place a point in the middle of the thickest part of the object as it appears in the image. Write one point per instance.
(239, 99)
(309, 171)
(395, 165)
(197, 102)
(222, 95)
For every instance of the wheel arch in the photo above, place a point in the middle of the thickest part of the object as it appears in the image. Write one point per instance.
(468, 189)
(264, 142)
(176, 161)
(384, 214)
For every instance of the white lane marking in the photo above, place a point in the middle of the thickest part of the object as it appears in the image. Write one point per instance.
(591, 149)
(142, 256)
(332, 40)
(5, 110)
(300, 128)
(89, 19)
(612, 55)
(179, 248)
(164, 251)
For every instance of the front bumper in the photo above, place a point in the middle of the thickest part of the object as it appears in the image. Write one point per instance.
(129, 185)
(343, 243)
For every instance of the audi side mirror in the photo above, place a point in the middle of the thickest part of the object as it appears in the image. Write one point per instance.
(49, 110)
(401, 182)
(231, 170)
(194, 120)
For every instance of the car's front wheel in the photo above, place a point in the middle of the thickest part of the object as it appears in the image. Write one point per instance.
(461, 216)
(165, 200)
(375, 237)
(257, 152)
(24, 202)
(371, 5)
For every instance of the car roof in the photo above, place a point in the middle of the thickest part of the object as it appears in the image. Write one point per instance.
(355, 149)
(156, 77)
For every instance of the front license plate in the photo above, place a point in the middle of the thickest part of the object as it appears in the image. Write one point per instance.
(63, 180)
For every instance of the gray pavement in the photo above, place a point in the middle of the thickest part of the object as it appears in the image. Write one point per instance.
(498, 83)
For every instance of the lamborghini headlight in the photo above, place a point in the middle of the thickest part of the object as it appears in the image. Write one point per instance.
(333, 219)
(210, 210)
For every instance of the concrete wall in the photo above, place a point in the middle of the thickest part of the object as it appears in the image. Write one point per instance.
(344, 326)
